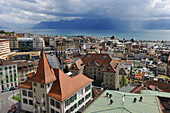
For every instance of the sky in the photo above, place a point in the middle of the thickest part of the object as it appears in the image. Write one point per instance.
(30, 12)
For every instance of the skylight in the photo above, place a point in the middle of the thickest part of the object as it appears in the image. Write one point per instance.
(104, 57)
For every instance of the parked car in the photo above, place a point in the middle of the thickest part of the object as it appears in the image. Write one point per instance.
(13, 106)
(5, 90)
(12, 109)
(12, 88)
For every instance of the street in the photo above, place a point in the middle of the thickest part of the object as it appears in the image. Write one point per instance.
(4, 102)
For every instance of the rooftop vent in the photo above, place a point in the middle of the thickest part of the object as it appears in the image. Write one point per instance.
(134, 100)
(141, 98)
(107, 94)
(110, 95)
(111, 101)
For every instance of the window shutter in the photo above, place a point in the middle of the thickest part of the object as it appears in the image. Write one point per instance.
(76, 96)
(68, 101)
(72, 99)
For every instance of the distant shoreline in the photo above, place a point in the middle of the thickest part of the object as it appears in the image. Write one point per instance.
(152, 35)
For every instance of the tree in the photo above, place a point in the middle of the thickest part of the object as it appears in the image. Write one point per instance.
(123, 81)
(2, 31)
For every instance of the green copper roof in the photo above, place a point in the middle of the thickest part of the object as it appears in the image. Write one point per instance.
(155, 93)
(102, 104)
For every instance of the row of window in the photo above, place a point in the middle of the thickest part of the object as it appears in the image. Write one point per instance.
(53, 111)
(10, 72)
(94, 69)
(26, 71)
(8, 80)
(24, 93)
(70, 100)
(6, 68)
(88, 95)
(72, 108)
(55, 103)
(87, 88)
(26, 101)
(79, 103)
(42, 85)
(8, 85)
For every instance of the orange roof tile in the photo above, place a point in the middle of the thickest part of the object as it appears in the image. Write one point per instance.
(138, 76)
(26, 85)
(77, 65)
(98, 58)
(65, 86)
(44, 73)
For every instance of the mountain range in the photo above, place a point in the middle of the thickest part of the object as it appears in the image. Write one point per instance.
(103, 24)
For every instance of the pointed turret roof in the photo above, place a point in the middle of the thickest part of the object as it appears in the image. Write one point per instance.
(44, 73)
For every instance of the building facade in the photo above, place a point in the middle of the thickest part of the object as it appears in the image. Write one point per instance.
(102, 68)
(38, 43)
(50, 90)
(4, 46)
(25, 44)
(13, 42)
(8, 75)
(24, 68)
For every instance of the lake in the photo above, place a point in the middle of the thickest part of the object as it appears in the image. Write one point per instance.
(136, 34)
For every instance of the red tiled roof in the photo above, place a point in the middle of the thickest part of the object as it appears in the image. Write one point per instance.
(77, 65)
(103, 60)
(89, 59)
(26, 85)
(30, 75)
(44, 74)
(65, 86)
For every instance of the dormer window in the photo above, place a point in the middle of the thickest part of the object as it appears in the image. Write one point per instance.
(109, 68)
(82, 64)
(88, 56)
(104, 57)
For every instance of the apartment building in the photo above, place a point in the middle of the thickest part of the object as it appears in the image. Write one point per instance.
(38, 43)
(24, 68)
(103, 68)
(8, 74)
(25, 44)
(50, 90)
(13, 41)
(4, 46)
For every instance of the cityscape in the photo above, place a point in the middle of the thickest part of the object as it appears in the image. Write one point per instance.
(83, 74)
(92, 56)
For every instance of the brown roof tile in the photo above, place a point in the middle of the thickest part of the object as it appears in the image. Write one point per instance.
(77, 65)
(5, 62)
(65, 86)
(26, 85)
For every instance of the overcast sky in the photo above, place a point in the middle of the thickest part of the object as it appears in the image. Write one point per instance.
(35, 11)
